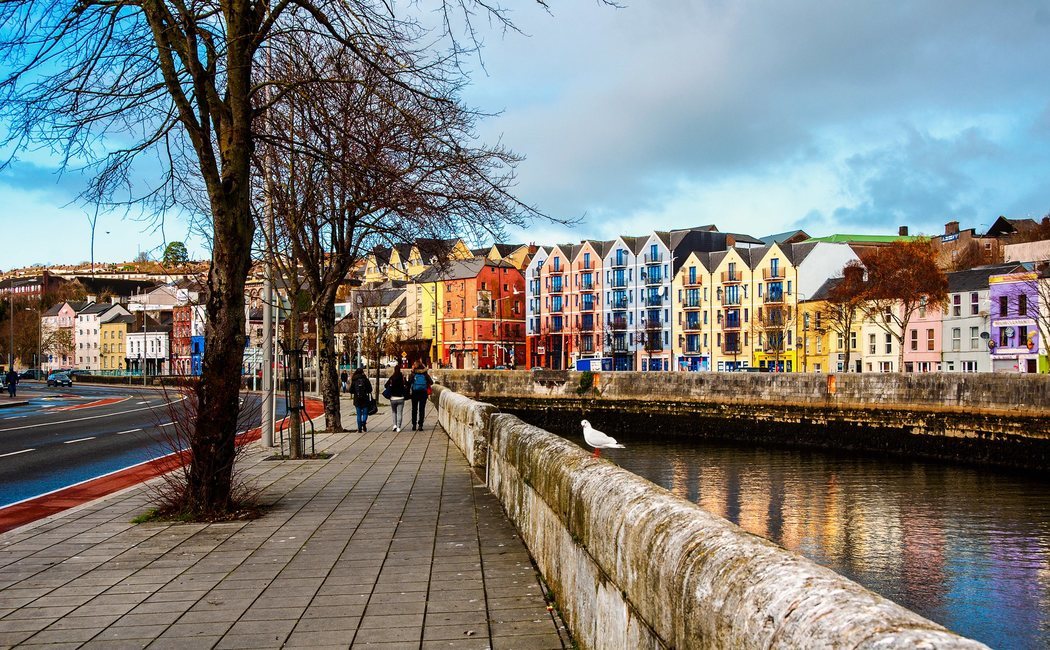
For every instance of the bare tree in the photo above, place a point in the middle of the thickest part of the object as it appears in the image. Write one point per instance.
(367, 162)
(774, 323)
(184, 83)
(841, 310)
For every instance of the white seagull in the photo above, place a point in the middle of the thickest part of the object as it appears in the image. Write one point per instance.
(597, 439)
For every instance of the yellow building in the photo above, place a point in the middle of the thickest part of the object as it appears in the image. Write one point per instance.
(691, 314)
(112, 344)
(732, 304)
(774, 318)
(405, 261)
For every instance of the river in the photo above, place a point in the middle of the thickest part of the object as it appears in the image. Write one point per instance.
(966, 547)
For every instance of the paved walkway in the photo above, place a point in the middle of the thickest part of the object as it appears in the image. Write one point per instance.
(390, 544)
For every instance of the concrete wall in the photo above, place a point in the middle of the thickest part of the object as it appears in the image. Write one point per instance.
(633, 566)
(465, 421)
(937, 391)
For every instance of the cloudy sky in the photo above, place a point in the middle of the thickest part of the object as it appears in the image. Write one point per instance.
(758, 117)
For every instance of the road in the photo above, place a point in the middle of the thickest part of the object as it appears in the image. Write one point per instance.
(68, 435)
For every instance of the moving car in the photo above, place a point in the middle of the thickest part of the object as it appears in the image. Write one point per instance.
(59, 379)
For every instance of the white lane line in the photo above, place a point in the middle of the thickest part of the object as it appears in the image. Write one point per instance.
(89, 417)
(166, 424)
(14, 417)
(140, 403)
(119, 433)
(15, 453)
(69, 442)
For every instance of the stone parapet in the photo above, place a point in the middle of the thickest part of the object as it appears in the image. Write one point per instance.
(928, 391)
(633, 566)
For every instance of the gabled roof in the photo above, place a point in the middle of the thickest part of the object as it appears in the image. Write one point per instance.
(55, 309)
(506, 249)
(458, 270)
(976, 279)
(400, 311)
(382, 255)
(825, 289)
(799, 252)
(1004, 226)
(787, 237)
(78, 305)
(127, 319)
(741, 238)
(97, 308)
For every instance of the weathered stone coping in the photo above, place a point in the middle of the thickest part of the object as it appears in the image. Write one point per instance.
(989, 394)
(632, 565)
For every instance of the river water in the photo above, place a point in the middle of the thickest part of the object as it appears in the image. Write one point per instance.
(966, 547)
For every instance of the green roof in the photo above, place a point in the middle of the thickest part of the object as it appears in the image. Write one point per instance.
(860, 239)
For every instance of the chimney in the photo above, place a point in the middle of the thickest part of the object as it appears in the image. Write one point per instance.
(951, 228)
(902, 231)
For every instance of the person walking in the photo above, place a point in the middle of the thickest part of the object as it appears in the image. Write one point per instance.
(420, 385)
(344, 379)
(12, 382)
(361, 389)
(397, 390)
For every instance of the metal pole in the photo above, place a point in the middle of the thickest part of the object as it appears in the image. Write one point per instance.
(11, 317)
(144, 359)
(268, 355)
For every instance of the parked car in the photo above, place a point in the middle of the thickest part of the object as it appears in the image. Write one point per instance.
(32, 373)
(59, 379)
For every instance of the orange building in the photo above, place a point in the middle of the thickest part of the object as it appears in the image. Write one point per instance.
(483, 314)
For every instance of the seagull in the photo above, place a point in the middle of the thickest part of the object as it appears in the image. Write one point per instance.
(597, 439)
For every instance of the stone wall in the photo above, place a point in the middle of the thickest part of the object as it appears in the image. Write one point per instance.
(633, 566)
(464, 420)
(939, 391)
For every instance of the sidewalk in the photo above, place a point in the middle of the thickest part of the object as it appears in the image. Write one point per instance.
(390, 544)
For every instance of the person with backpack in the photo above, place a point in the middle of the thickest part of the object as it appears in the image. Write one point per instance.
(420, 385)
(361, 389)
(344, 379)
(12, 382)
(396, 391)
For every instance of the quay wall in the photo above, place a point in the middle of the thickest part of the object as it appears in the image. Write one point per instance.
(1001, 420)
(632, 566)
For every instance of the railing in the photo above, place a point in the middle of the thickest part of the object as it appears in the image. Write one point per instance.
(733, 324)
(730, 349)
(692, 326)
(619, 303)
(651, 278)
(587, 327)
(692, 304)
(617, 263)
(556, 328)
(587, 285)
(773, 274)
(654, 259)
(735, 276)
(692, 349)
(620, 348)
(730, 302)
(587, 306)
(774, 298)
(557, 309)
(619, 282)
(557, 287)
(535, 272)
(654, 301)
(619, 324)
(694, 282)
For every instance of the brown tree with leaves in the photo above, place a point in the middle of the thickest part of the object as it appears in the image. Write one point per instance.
(841, 312)
(900, 279)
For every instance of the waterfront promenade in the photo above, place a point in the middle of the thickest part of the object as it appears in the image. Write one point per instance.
(390, 543)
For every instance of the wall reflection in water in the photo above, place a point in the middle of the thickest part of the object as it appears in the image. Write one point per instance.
(966, 547)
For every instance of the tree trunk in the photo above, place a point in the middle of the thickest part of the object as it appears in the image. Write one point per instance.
(212, 443)
(294, 375)
(328, 366)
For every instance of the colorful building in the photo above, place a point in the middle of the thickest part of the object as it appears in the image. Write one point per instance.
(113, 336)
(1014, 339)
(483, 314)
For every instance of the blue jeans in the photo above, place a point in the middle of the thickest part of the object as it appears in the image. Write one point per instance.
(362, 416)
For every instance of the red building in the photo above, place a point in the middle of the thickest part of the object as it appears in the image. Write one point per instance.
(482, 316)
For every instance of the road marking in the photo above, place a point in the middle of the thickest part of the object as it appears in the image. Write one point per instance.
(140, 403)
(88, 417)
(14, 417)
(15, 453)
(166, 424)
(69, 442)
(128, 431)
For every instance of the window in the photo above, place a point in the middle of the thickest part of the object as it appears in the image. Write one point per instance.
(929, 340)
(969, 366)
(1022, 305)
(975, 337)
(1022, 336)
(871, 344)
(889, 343)
(586, 260)
(839, 341)
(922, 307)
(974, 304)
(852, 340)
(1004, 305)
(692, 275)
(957, 305)
(914, 340)
(956, 339)
(789, 287)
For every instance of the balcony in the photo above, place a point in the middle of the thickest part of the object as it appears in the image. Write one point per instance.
(692, 304)
(587, 326)
(618, 263)
(731, 324)
(619, 303)
(693, 282)
(557, 287)
(619, 348)
(535, 272)
(556, 328)
(773, 274)
(774, 298)
(587, 285)
(619, 282)
(692, 326)
(557, 309)
(619, 324)
(652, 278)
(654, 301)
(654, 259)
(730, 348)
(728, 301)
(587, 306)
(736, 276)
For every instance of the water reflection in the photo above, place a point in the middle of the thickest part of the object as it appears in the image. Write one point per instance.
(966, 547)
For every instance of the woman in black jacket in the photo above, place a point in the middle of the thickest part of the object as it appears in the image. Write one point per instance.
(398, 391)
(361, 389)
(419, 384)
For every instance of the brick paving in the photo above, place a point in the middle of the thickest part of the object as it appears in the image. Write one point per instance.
(392, 543)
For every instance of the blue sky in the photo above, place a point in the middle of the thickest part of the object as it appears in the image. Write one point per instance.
(758, 117)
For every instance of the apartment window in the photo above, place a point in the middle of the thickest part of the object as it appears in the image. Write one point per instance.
(839, 341)
(1022, 336)
(957, 305)
(956, 339)
(974, 304)
(852, 340)
(929, 340)
(885, 366)
(922, 307)
(789, 287)
(871, 344)
(774, 266)
(1022, 305)
(969, 366)
(557, 264)
(914, 340)
(586, 260)
(975, 337)
(692, 275)
(889, 343)
(1004, 305)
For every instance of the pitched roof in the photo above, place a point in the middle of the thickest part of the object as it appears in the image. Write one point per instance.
(1004, 226)
(787, 237)
(741, 238)
(97, 308)
(797, 253)
(54, 310)
(506, 249)
(119, 288)
(825, 289)
(860, 239)
(977, 278)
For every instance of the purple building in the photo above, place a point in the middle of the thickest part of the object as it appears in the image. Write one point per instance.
(1014, 337)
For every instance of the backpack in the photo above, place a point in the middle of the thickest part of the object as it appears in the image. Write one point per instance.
(362, 389)
(419, 381)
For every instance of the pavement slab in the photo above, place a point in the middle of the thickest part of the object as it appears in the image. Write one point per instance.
(392, 542)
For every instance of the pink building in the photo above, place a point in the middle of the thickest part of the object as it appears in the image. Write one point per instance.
(58, 336)
(583, 303)
(922, 341)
